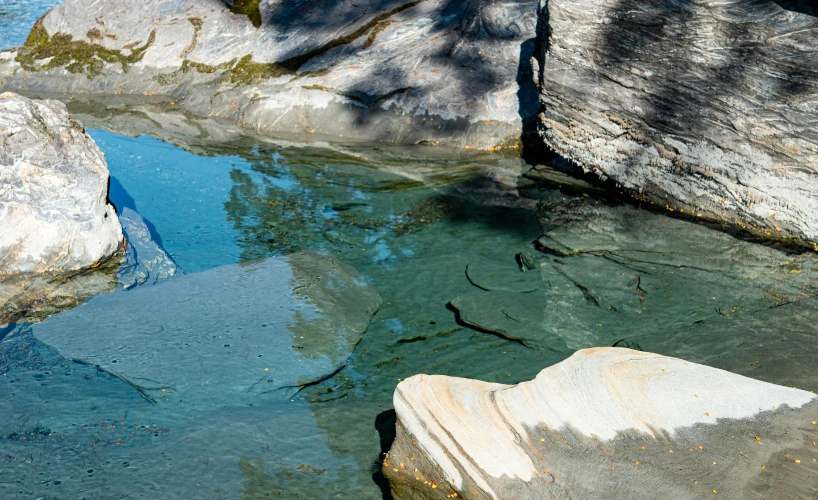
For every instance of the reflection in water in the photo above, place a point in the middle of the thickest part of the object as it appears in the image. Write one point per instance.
(478, 279)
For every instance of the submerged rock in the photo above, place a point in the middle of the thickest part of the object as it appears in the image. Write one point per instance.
(234, 332)
(404, 71)
(145, 260)
(605, 423)
(707, 107)
(54, 214)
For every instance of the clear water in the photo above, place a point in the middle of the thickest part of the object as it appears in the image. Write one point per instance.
(446, 260)
(601, 274)
(17, 17)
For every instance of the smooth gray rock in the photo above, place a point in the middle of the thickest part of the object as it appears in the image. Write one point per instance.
(604, 423)
(54, 214)
(403, 71)
(145, 260)
(225, 335)
(707, 107)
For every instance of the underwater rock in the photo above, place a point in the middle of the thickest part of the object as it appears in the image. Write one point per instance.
(403, 71)
(605, 423)
(145, 259)
(230, 333)
(618, 272)
(516, 316)
(54, 214)
(707, 107)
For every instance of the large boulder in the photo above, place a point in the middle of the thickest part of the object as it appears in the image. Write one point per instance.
(707, 108)
(54, 213)
(605, 423)
(404, 71)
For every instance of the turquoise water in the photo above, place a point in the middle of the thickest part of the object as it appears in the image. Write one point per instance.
(17, 17)
(446, 260)
(161, 391)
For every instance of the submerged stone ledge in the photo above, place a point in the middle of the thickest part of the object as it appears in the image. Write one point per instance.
(604, 423)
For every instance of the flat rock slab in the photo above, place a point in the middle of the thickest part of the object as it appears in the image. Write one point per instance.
(702, 107)
(236, 331)
(605, 423)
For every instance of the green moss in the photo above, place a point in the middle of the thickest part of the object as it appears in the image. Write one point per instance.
(75, 55)
(249, 8)
(247, 72)
(187, 65)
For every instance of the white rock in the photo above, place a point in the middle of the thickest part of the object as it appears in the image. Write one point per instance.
(583, 427)
(54, 213)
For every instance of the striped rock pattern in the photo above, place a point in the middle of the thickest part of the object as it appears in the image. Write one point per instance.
(605, 423)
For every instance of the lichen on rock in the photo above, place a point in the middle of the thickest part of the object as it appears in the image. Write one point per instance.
(76, 56)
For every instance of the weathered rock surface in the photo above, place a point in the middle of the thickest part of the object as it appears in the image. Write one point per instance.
(703, 107)
(54, 213)
(404, 71)
(605, 423)
(223, 335)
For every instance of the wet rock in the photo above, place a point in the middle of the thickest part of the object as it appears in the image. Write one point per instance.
(516, 316)
(54, 214)
(33, 297)
(617, 272)
(503, 276)
(404, 71)
(701, 107)
(228, 334)
(605, 423)
(145, 260)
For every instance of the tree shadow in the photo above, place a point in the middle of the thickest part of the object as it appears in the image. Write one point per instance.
(694, 80)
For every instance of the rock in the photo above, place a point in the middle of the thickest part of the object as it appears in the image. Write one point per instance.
(404, 71)
(33, 297)
(145, 260)
(511, 315)
(707, 108)
(54, 213)
(223, 335)
(605, 423)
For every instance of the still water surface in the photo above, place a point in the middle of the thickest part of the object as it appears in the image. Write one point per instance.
(478, 278)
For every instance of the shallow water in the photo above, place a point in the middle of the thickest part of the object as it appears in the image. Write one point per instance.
(447, 261)
(478, 278)
(17, 17)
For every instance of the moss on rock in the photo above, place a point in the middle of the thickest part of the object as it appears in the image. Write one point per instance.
(75, 55)
(249, 8)
(247, 72)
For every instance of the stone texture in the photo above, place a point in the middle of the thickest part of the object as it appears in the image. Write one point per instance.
(703, 107)
(54, 213)
(605, 423)
(423, 71)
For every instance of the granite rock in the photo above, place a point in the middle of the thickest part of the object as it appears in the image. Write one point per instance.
(705, 108)
(54, 213)
(402, 71)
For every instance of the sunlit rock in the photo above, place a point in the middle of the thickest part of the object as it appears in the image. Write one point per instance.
(232, 333)
(605, 423)
(403, 71)
(54, 214)
(706, 107)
